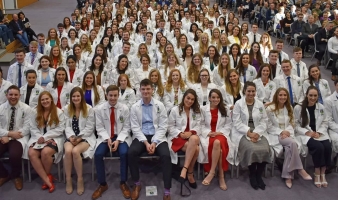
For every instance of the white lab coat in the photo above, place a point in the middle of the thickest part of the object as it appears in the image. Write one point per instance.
(128, 98)
(240, 118)
(77, 77)
(303, 69)
(331, 108)
(321, 126)
(36, 62)
(122, 123)
(223, 125)
(54, 132)
(228, 98)
(169, 97)
(65, 93)
(218, 80)
(139, 75)
(86, 126)
(34, 97)
(297, 89)
(265, 93)
(114, 76)
(199, 91)
(177, 124)
(51, 73)
(251, 37)
(284, 56)
(232, 62)
(165, 76)
(101, 94)
(324, 87)
(274, 130)
(250, 74)
(22, 117)
(12, 75)
(3, 90)
(160, 121)
(105, 77)
(232, 40)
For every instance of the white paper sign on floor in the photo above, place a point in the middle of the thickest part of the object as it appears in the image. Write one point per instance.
(151, 191)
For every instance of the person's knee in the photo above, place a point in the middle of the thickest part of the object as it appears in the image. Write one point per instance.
(217, 144)
(195, 139)
(76, 152)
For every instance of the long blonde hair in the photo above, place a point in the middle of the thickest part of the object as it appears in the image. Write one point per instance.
(160, 88)
(287, 104)
(203, 48)
(169, 85)
(87, 46)
(228, 87)
(53, 114)
(220, 67)
(166, 66)
(217, 42)
(192, 69)
(83, 104)
(59, 57)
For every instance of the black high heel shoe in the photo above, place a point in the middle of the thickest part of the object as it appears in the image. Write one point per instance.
(182, 181)
(194, 184)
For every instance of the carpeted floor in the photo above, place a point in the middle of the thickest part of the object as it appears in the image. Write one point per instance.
(48, 13)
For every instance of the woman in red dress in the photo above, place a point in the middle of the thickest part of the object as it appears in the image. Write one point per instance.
(184, 128)
(215, 140)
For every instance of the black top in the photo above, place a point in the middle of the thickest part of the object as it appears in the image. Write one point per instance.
(75, 125)
(122, 91)
(238, 98)
(28, 94)
(287, 21)
(311, 110)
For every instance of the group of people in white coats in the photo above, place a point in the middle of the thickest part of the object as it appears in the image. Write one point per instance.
(202, 86)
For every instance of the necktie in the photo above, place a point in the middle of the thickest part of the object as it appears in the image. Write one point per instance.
(216, 21)
(290, 89)
(41, 49)
(144, 38)
(210, 32)
(60, 35)
(298, 70)
(320, 98)
(11, 123)
(255, 38)
(112, 122)
(280, 58)
(33, 58)
(19, 76)
(244, 74)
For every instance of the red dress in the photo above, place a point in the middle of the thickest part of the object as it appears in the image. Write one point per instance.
(223, 143)
(58, 104)
(178, 143)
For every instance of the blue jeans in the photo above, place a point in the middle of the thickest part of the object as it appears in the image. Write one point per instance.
(6, 33)
(23, 38)
(101, 152)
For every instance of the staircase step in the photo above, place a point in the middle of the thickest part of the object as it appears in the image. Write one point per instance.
(2, 52)
(7, 59)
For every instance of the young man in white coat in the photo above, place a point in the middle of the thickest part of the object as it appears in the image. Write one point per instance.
(149, 124)
(298, 66)
(43, 48)
(14, 135)
(115, 140)
(291, 82)
(16, 72)
(29, 93)
(33, 57)
(281, 54)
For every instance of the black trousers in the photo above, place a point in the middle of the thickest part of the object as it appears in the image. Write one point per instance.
(305, 42)
(15, 150)
(320, 152)
(334, 70)
(162, 150)
(321, 48)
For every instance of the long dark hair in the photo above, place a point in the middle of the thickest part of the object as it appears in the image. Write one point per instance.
(258, 54)
(184, 54)
(305, 104)
(92, 66)
(311, 80)
(55, 82)
(121, 71)
(240, 67)
(221, 106)
(195, 106)
(216, 56)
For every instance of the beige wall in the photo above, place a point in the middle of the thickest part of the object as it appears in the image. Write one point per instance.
(23, 3)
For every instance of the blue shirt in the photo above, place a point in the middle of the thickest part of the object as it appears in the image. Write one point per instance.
(147, 118)
(88, 97)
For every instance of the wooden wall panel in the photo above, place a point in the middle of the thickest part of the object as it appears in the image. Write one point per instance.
(23, 3)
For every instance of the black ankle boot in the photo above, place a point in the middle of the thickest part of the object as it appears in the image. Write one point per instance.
(260, 169)
(253, 181)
